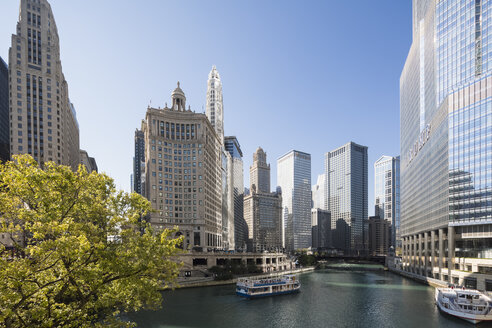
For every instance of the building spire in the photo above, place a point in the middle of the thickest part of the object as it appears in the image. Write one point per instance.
(214, 108)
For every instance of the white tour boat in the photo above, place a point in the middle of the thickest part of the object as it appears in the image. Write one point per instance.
(468, 304)
(253, 288)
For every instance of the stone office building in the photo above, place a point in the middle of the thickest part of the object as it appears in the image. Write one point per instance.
(183, 173)
(43, 122)
(262, 209)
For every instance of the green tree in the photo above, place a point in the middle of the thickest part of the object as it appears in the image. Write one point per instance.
(79, 254)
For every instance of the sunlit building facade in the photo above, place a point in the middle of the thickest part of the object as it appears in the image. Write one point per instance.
(387, 194)
(43, 122)
(262, 209)
(237, 175)
(346, 196)
(294, 180)
(446, 143)
(183, 173)
(318, 193)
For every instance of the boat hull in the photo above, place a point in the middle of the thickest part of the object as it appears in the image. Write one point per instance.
(267, 294)
(472, 318)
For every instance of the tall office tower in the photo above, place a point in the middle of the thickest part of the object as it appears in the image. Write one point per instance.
(294, 179)
(183, 173)
(4, 112)
(259, 172)
(139, 163)
(227, 201)
(445, 115)
(215, 113)
(43, 121)
(321, 228)
(346, 196)
(240, 229)
(318, 193)
(263, 212)
(214, 107)
(387, 194)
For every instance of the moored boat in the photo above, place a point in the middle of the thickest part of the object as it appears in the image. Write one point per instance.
(254, 288)
(468, 304)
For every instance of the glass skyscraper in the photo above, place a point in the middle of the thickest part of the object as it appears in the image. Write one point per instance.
(346, 196)
(231, 145)
(387, 194)
(446, 143)
(294, 179)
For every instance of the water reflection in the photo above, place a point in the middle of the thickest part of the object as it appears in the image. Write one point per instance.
(328, 298)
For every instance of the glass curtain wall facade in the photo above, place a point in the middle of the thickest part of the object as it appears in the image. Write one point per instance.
(240, 230)
(318, 193)
(346, 196)
(294, 179)
(446, 142)
(387, 194)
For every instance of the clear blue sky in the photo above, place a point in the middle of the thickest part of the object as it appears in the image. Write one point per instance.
(305, 75)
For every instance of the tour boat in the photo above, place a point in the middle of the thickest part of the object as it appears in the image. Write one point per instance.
(254, 288)
(468, 304)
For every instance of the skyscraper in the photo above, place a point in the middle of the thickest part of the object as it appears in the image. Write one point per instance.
(183, 177)
(227, 200)
(139, 163)
(294, 179)
(214, 107)
(4, 112)
(259, 172)
(240, 230)
(387, 194)
(43, 120)
(445, 115)
(262, 210)
(318, 193)
(215, 114)
(346, 195)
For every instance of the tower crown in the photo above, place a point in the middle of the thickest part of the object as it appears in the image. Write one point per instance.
(214, 74)
(179, 99)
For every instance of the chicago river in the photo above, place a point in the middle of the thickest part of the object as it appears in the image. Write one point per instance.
(328, 298)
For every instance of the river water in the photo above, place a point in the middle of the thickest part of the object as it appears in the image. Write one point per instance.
(328, 298)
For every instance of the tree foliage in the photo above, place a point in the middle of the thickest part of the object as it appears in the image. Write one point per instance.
(79, 253)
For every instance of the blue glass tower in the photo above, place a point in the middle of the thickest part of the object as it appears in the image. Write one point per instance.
(446, 142)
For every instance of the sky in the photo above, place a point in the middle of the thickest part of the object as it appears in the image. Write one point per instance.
(305, 75)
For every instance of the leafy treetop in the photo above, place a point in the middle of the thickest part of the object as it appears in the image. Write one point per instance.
(75, 251)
